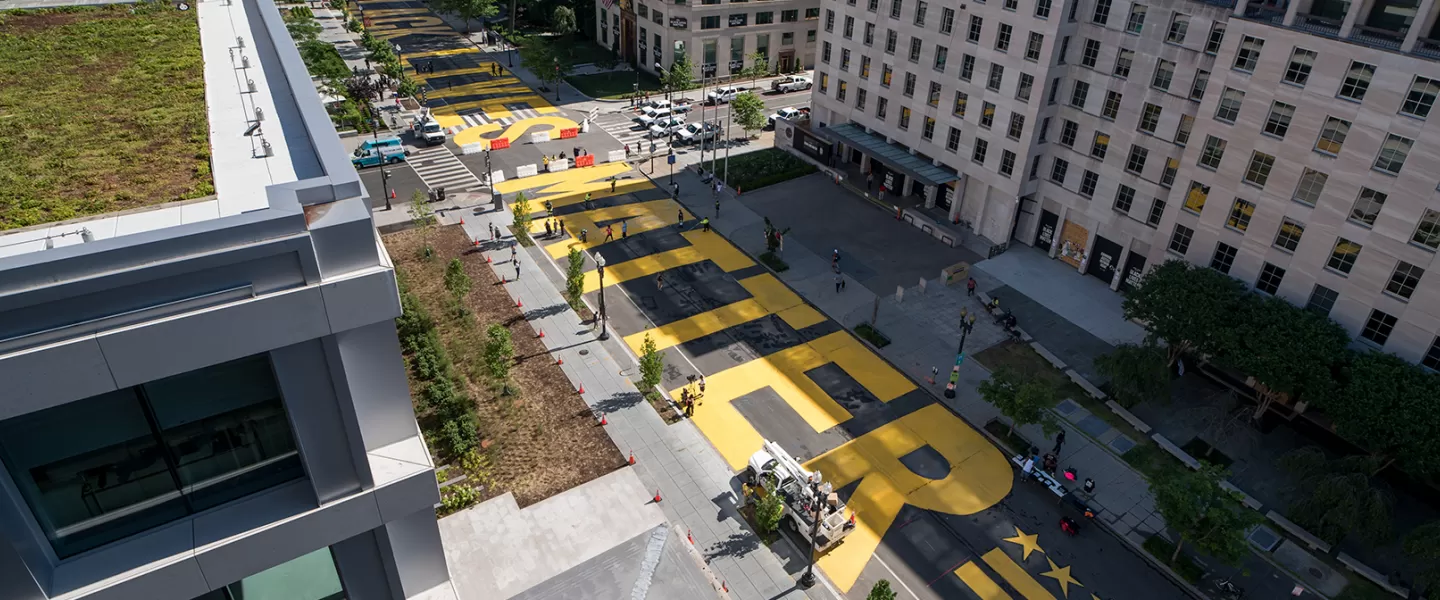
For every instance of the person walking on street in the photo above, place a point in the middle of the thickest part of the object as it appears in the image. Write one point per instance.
(1059, 441)
(587, 200)
(660, 281)
(838, 281)
(612, 185)
(717, 207)
(679, 218)
(517, 270)
(625, 229)
(970, 287)
(609, 232)
(719, 187)
(512, 252)
(705, 224)
(561, 229)
(675, 189)
(548, 231)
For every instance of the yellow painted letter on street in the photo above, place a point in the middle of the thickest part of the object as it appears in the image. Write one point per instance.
(979, 478)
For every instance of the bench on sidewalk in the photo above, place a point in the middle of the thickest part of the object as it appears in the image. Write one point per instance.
(1170, 447)
(1310, 539)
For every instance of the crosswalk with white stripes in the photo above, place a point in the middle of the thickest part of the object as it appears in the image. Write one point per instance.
(479, 117)
(623, 127)
(438, 167)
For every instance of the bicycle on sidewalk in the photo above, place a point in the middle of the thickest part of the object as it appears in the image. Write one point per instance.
(1228, 589)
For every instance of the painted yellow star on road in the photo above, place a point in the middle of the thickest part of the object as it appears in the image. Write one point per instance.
(1028, 543)
(1062, 576)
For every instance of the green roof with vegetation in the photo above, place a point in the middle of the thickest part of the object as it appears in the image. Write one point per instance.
(102, 109)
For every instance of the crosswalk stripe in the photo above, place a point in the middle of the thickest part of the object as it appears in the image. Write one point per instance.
(980, 583)
(1016, 576)
(439, 167)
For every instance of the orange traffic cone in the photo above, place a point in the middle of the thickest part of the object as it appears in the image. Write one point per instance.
(542, 334)
(689, 537)
(725, 587)
(519, 304)
(462, 220)
(582, 389)
(487, 259)
(657, 495)
(604, 421)
(632, 458)
(476, 243)
(559, 361)
(392, 194)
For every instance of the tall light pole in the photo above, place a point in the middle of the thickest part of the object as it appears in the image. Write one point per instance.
(728, 115)
(959, 358)
(808, 579)
(384, 172)
(508, 55)
(600, 268)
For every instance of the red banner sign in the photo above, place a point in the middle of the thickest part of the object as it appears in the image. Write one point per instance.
(499, 143)
(587, 160)
(566, 134)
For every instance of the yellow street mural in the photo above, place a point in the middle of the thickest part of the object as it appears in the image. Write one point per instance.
(515, 131)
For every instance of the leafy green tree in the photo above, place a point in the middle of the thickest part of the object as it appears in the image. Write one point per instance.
(652, 365)
(302, 25)
(1137, 373)
(1191, 308)
(1025, 402)
(749, 111)
(881, 591)
(423, 217)
(1391, 408)
(499, 352)
(769, 508)
(1336, 499)
(759, 67)
(1203, 513)
(575, 278)
(1289, 351)
(562, 20)
(681, 75)
(1422, 547)
(772, 236)
(458, 283)
(472, 9)
(541, 57)
(520, 210)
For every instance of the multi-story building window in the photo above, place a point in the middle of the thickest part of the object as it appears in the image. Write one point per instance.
(1024, 86)
(987, 114)
(1157, 212)
(1164, 74)
(886, 73)
(1090, 54)
(1135, 163)
(869, 37)
(712, 22)
(1427, 232)
(1378, 327)
(947, 20)
(1213, 152)
(952, 141)
(1088, 180)
(849, 30)
(927, 132)
(860, 99)
(829, 21)
(1180, 239)
(1111, 108)
(864, 67)
(1002, 37)
(1322, 299)
(942, 54)
(933, 99)
(1312, 184)
(1404, 279)
(1182, 131)
(981, 148)
(1432, 357)
(1124, 59)
(824, 52)
(1064, 49)
(1278, 121)
(1269, 280)
(1197, 86)
(1393, 154)
(1421, 97)
(824, 83)
(891, 38)
(1167, 176)
(1058, 170)
(1017, 126)
(1078, 95)
(1301, 61)
(844, 59)
(1011, 5)
(1240, 213)
(1035, 167)
(920, 10)
(1367, 206)
(1288, 236)
(881, 104)
(895, 6)
(1224, 257)
(904, 117)
(1033, 46)
(915, 49)
(1357, 81)
(790, 16)
(1007, 163)
(976, 24)
(1124, 198)
(1101, 15)
(1068, 131)
(1042, 9)
(1249, 54)
(1135, 23)
(1179, 28)
(1332, 135)
(909, 90)
(1229, 106)
(1259, 170)
(1195, 198)
(1150, 118)
(961, 99)
(997, 75)
(1216, 37)
(967, 67)
(840, 90)
(1343, 255)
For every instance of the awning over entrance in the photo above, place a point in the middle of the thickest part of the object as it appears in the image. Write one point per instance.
(893, 155)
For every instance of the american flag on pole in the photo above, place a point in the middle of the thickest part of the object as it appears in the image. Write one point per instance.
(608, 3)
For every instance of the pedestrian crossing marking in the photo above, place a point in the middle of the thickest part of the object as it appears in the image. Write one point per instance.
(473, 135)
(980, 583)
(642, 216)
(979, 478)
(410, 56)
(448, 121)
(438, 167)
(1015, 575)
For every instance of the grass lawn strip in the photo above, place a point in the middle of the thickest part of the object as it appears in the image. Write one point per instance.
(614, 85)
(539, 441)
(754, 170)
(102, 109)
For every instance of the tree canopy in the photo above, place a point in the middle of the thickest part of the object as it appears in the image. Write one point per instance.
(1289, 350)
(1392, 408)
(1026, 401)
(1336, 498)
(749, 111)
(1203, 513)
(1191, 308)
(681, 75)
(1137, 373)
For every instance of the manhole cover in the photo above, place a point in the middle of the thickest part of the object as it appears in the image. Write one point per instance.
(1316, 573)
(584, 353)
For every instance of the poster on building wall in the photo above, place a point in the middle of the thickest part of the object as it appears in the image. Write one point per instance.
(890, 181)
(1073, 239)
(739, 20)
(679, 22)
(1045, 236)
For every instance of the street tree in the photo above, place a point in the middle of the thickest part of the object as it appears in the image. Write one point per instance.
(769, 507)
(749, 112)
(1338, 499)
(520, 210)
(1289, 351)
(759, 67)
(499, 354)
(471, 10)
(1189, 307)
(1224, 421)
(681, 75)
(458, 283)
(772, 237)
(1026, 401)
(881, 591)
(575, 278)
(1202, 513)
(542, 58)
(1422, 547)
(1137, 373)
(562, 20)
(652, 365)
(423, 217)
(1392, 409)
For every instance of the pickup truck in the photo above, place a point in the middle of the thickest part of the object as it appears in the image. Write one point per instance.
(786, 113)
(697, 132)
(721, 95)
(791, 83)
(666, 126)
(430, 131)
(387, 155)
(649, 116)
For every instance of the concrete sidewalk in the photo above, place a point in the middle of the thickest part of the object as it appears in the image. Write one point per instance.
(698, 491)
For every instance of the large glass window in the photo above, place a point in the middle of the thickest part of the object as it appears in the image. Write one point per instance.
(110, 466)
(310, 577)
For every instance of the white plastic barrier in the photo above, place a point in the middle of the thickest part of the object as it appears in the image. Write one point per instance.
(496, 176)
(615, 156)
(540, 136)
(558, 165)
(526, 171)
(474, 148)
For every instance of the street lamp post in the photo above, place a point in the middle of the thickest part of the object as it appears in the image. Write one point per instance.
(808, 579)
(509, 56)
(959, 358)
(384, 173)
(600, 268)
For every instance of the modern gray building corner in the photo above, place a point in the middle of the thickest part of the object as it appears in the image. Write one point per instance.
(207, 400)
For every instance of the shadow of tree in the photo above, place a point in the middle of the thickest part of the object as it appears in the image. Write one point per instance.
(735, 545)
(618, 401)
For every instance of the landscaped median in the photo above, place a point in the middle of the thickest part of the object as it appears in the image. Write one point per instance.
(754, 170)
(494, 407)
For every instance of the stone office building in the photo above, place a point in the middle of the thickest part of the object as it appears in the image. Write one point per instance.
(722, 38)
